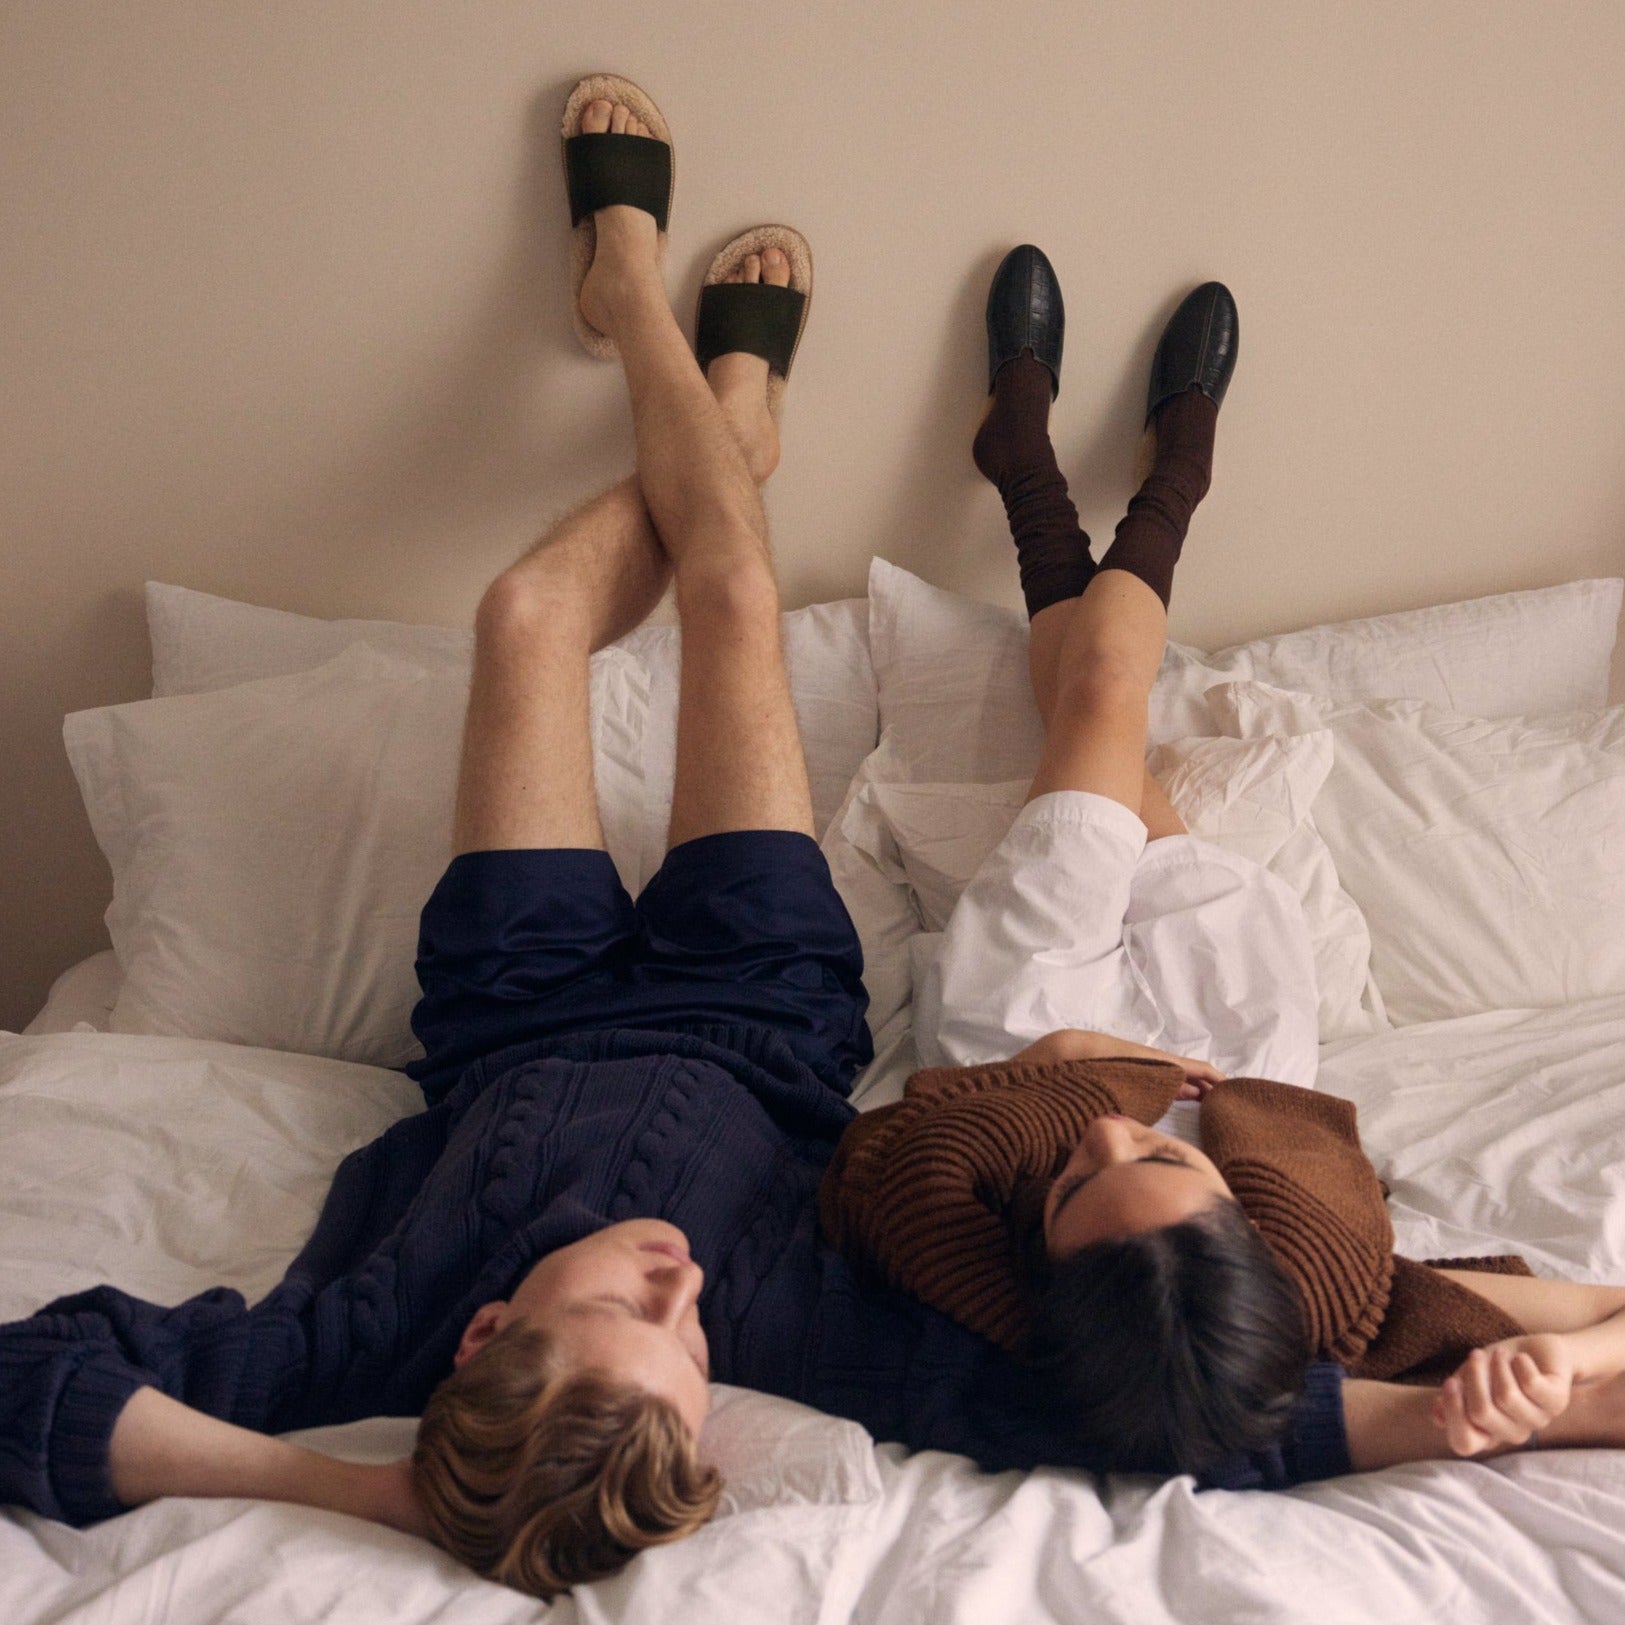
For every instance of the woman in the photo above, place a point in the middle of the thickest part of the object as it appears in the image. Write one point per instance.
(612, 1194)
(1171, 1279)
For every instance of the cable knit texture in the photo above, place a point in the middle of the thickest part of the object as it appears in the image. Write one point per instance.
(943, 1195)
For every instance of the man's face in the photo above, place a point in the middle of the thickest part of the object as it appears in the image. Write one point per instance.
(623, 1301)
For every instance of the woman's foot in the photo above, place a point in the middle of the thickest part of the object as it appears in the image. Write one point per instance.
(625, 266)
(739, 380)
(1014, 432)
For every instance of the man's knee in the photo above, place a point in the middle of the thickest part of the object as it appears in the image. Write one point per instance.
(729, 583)
(526, 607)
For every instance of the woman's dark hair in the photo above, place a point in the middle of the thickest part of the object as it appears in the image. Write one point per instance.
(1174, 1349)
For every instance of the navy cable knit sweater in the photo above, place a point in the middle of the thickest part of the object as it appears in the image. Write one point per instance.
(718, 1130)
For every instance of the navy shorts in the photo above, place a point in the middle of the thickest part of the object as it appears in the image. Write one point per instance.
(520, 946)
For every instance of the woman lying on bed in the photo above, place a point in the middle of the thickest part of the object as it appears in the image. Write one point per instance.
(1171, 1274)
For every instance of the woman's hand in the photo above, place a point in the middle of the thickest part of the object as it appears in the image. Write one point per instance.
(1504, 1394)
(1076, 1044)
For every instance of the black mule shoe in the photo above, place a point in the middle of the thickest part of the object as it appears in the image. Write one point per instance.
(1197, 347)
(1025, 313)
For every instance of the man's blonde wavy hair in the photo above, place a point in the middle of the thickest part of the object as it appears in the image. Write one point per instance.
(543, 1479)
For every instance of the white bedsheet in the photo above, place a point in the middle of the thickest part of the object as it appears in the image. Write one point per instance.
(168, 1165)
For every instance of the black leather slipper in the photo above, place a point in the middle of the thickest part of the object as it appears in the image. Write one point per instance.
(1025, 314)
(1197, 348)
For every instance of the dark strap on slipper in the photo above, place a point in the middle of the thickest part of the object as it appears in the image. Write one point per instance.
(759, 318)
(601, 170)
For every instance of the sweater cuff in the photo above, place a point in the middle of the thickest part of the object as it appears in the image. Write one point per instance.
(87, 1409)
(1318, 1445)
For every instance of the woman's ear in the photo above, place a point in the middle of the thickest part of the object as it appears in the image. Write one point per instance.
(489, 1319)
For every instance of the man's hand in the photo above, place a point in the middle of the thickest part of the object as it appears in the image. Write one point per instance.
(1504, 1394)
(1076, 1044)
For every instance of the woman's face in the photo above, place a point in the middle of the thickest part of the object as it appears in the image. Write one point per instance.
(625, 1301)
(1121, 1180)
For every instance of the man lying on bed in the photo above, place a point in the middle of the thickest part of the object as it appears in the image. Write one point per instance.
(612, 1195)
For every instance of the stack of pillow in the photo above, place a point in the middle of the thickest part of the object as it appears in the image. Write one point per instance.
(1441, 788)
(1446, 865)
(277, 814)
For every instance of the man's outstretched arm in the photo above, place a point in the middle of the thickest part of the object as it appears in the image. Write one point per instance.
(162, 1447)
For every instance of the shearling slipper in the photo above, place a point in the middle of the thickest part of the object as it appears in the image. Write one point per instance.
(600, 170)
(759, 318)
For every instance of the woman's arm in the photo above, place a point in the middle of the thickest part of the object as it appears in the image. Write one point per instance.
(1591, 1317)
(162, 1447)
(1077, 1044)
(1522, 1392)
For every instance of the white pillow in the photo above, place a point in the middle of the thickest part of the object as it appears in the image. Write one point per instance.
(273, 843)
(201, 642)
(954, 691)
(1254, 800)
(868, 873)
(1488, 855)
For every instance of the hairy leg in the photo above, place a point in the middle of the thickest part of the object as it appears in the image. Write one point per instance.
(739, 760)
(526, 774)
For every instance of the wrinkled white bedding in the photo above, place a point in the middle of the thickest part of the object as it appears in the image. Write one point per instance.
(168, 1165)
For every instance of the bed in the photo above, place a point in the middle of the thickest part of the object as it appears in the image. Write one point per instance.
(1446, 789)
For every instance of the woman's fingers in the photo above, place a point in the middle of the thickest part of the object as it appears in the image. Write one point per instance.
(1476, 1398)
(1498, 1399)
(1512, 1400)
(1450, 1413)
(1199, 1077)
(1551, 1391)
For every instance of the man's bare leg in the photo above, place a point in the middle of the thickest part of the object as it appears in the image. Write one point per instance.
(739, 760)
(526, 773)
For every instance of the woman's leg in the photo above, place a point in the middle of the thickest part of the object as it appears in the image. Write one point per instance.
(1096, 670)
(1048, 633)
(1014, 451)
(739, 760)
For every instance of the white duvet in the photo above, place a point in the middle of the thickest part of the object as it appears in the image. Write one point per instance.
(168, 1165)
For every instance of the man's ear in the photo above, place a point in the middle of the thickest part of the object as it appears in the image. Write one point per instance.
(489, 1319)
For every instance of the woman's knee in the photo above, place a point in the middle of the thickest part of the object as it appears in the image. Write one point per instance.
(1103, 681)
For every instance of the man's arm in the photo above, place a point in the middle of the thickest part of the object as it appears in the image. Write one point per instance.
(162, 1447)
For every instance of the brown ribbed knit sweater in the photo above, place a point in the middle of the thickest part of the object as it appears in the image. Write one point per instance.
(943, 1195)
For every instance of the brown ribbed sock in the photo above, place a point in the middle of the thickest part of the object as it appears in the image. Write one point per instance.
(1151, 533)
(1012, 448)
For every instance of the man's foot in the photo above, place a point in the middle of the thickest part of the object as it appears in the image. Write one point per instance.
(624, 263)
(739, 380)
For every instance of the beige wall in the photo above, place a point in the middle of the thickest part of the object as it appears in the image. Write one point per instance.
(281, 313)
